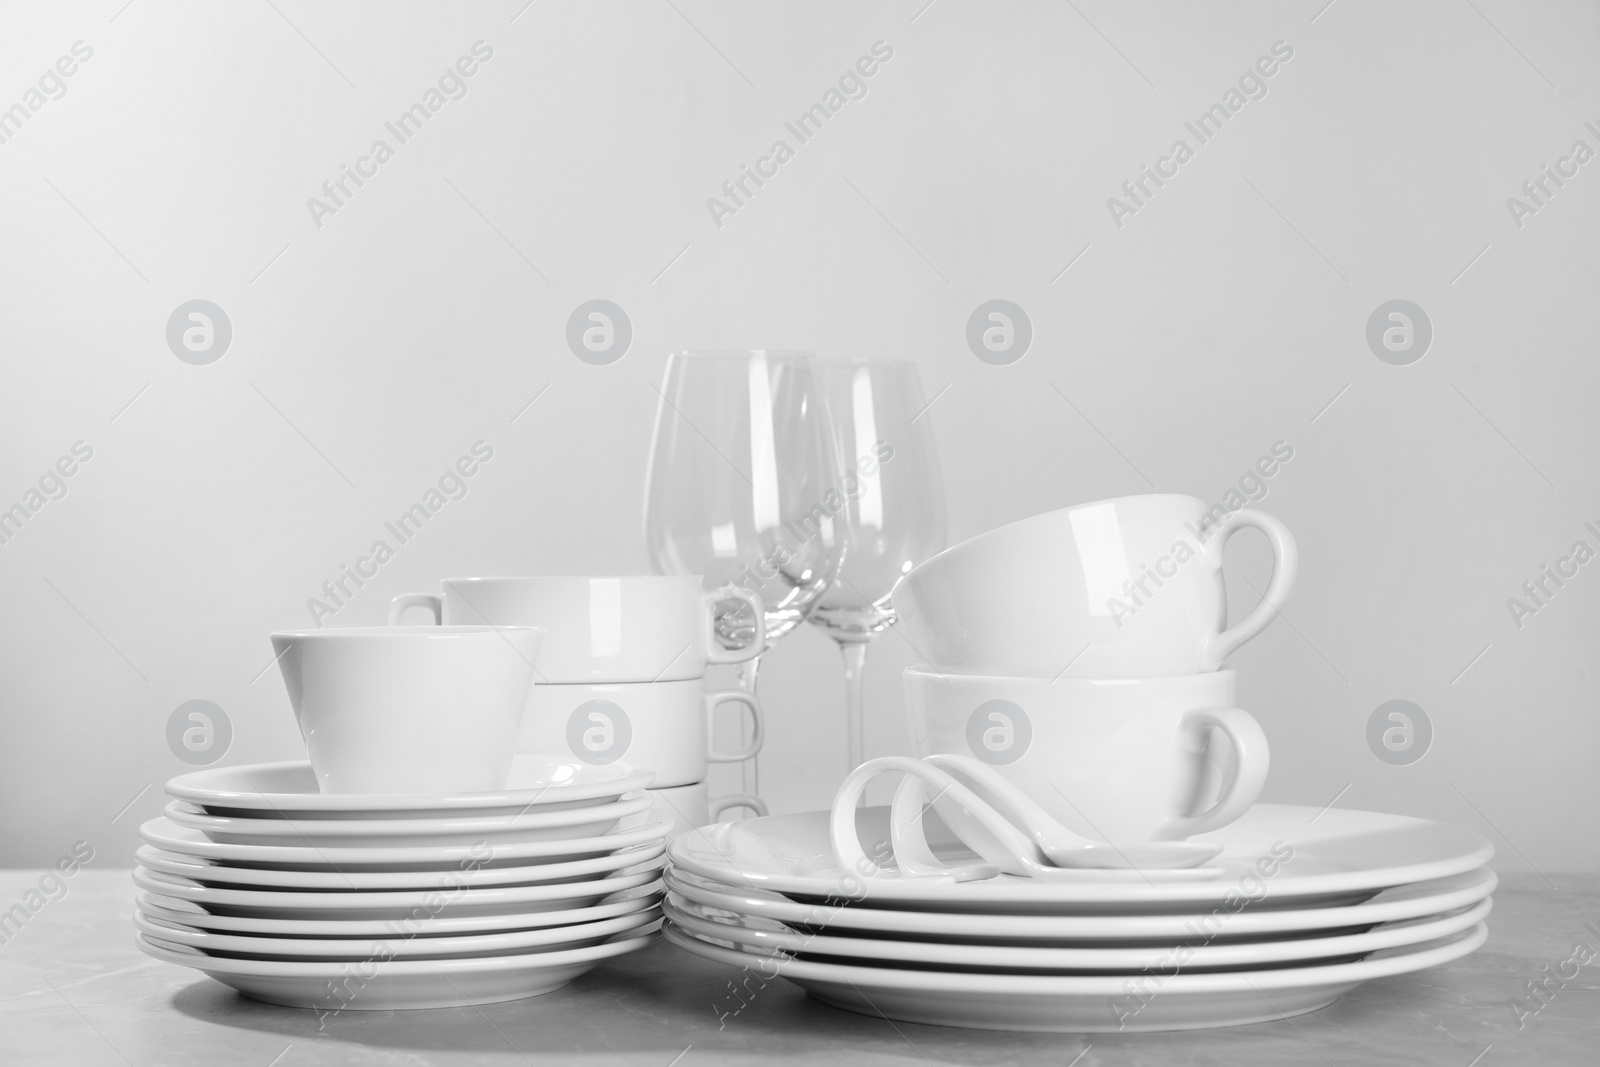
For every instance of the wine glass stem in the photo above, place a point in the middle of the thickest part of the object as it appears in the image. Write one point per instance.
(750, 770)
(855, 661)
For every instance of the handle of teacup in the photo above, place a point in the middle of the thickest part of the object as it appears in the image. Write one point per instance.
(757, 735)
(847, 851)
(401, 604)
(1285, 561)
(717, 805)
(1251, 758)
(715, 653)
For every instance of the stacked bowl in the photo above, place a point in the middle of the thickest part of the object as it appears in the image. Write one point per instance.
(382, 901)
(622, 672)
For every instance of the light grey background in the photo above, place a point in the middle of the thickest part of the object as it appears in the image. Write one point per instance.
(1228, 314)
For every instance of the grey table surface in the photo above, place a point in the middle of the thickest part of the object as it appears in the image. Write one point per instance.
(74, 990)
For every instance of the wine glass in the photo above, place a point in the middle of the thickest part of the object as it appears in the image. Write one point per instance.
(742, 487)
(894, 515)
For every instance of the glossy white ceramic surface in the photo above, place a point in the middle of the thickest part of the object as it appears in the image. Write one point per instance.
(634, 628)
(493, 830)
(1286, 855)
(1123, 588)
(1250, 922)
(689, 807)
(664, 727)
(409, 709)
(1087, 1003)
(375, 985)
(1119, 760)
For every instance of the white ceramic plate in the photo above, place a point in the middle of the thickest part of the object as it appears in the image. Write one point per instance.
(215, 874)
(1085, 1003)
(1117, 959)
(286, 790)
(396, 904)
(188, 914)
(510, 828)
(373, 985)
(167, 835)
(1338, 857)
(1391, 905)
(398, 946)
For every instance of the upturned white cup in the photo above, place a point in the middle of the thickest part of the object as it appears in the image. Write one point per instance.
(1117, 760)
(409, 709)
(689, 807)
(665, 727)
(628, 629)
(1123, 588)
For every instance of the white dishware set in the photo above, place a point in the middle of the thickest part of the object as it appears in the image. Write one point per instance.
(416, 860)
(622, 673)
(1079, 847)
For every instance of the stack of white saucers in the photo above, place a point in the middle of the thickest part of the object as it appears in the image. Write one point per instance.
(361, 901)
(1300, 907)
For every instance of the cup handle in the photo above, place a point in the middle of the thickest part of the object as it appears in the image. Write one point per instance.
(732, 696)
(1252, 759)
(717, 805)
(401, 604)
(715, 653)
(1285, 561)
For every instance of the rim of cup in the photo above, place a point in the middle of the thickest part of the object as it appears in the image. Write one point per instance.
(923, 670)
(428, 631)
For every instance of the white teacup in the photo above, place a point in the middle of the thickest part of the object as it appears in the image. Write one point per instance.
(1123, 588)
(689, 807)
(665, 727)
(1116, 760)
(630, 629)
(409, 709)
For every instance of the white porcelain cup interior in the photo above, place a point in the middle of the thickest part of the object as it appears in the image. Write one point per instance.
(666, 727)
(620, 629)
(409, 709)
(1123, 588)
(1117, 760)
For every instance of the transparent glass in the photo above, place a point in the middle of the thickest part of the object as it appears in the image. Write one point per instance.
(894, 508)
(742, 487)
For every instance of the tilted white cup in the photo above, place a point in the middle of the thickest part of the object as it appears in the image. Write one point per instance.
(1123, 588)
(1117, 760)
(628, 629)
(665, 727)
(409, 709)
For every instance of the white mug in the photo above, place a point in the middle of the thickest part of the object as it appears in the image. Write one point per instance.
(1123, 588)
(409, 709)
(665, 727)
(638, 628)
(1118, 760)
(689, 807)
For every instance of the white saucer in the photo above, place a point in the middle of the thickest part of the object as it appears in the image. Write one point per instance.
(1338, 857)
(396, 904)
(767, 941)
(215, 874)
(397, 945)
(290, 789)
(192, 916)
(1392, 905)
(375, 985)
(167, 835)
(589, 820)
(1085, 1003)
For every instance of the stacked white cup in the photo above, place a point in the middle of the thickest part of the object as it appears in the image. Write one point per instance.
(1080, 653)
(621, 674)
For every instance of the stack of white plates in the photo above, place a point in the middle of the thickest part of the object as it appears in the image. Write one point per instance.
(1301, 906)
(380, 902)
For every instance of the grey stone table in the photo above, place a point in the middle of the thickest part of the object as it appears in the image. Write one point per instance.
(75, 991)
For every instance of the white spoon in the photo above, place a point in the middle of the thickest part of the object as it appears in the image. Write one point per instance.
(1057, 844)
